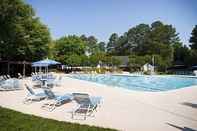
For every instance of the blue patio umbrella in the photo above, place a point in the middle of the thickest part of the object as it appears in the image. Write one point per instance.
(45, 63)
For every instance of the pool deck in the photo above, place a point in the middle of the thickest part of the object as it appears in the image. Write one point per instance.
(121, 109)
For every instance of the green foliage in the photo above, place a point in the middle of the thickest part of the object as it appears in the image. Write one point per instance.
(161, 63)
(181, 54)
(192, 57)
(115, 61)
(112, 43)
(71, 50)
(193, 39)
(74, 60)
(92, 45)
(136, 62)
(119, 48)
(137, 37)
(93, 60)
(15, 121)
(68, 50)
(21, 33)
(139, 61)
(141, 40)
(101, 46)
(84, 60)
(24, 37)
(51, 50)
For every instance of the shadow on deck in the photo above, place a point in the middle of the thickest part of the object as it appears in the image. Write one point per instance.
(181, 128)
(193, 105)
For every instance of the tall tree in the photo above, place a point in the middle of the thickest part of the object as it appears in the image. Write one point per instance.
(69, 47)
(21, 33)
(193, 39)
(92, 45)
(181, 54)
(157, 39)
(119, 46)
(165, 34)
(193, 52)
(101, 46)
(137, 38)
(112, 43)
(160, 41)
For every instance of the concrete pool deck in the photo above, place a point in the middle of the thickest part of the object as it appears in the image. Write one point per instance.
(122, 109)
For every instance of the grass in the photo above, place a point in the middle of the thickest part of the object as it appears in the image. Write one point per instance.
(15, 121)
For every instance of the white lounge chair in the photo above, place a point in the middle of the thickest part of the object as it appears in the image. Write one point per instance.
(4, 77)
(2, 89)
(86, 106)
(54, 82)
(1, 79)
(8, 76)
(10, 85)
(32, 96)
(55, 100)
(19, 76)
(58, 81)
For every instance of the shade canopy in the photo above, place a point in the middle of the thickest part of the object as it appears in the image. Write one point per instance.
(44, 63)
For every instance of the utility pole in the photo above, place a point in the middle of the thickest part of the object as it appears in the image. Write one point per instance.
(153, 61)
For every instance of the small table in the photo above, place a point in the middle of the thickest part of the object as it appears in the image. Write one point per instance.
(43, 82)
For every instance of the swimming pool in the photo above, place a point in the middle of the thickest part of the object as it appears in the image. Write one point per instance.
(140, 83)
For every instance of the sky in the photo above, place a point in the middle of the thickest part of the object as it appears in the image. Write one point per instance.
(101, 18)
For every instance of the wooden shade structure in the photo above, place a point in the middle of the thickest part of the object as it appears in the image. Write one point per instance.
(24, 63)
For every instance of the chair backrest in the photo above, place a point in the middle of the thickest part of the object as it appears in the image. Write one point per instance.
(8, 76)
(96, 100)
(60, 78)
(4, 77)
(20, 76)
(30, 90)
(81, 98)
(1, 78)
(49, 93)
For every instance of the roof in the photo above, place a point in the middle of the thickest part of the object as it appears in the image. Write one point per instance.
(15, 62)
(178, 63)
(178, 67)
(123, 59)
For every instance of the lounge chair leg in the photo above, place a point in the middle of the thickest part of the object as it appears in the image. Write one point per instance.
(85, 116)
(72, 115)
(52, 108)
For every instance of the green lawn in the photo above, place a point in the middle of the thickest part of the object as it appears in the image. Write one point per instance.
(15, 121)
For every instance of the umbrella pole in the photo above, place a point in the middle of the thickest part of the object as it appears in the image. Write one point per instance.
(23, 69)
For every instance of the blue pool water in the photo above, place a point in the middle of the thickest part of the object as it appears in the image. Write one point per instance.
(140, 83)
